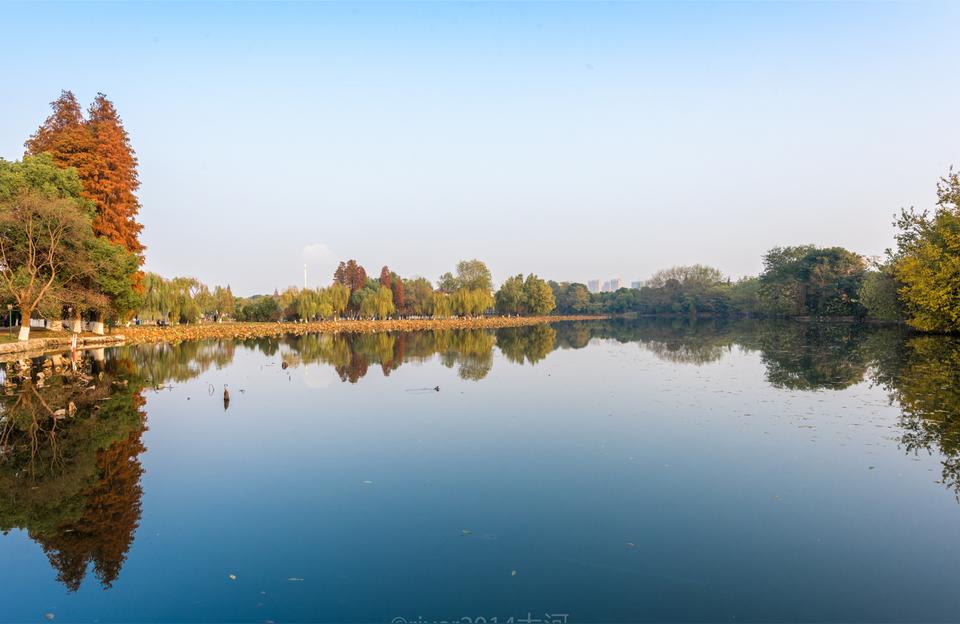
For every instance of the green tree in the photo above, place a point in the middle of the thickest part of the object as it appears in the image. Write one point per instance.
(442, 305)
(223, 298)
(537, 296)
(572, 298)
(879, 295)
(510, 297)
(308, 304)
(94, 275)
(447, 283)
(927, 261)
(43, 250)
(339, 298)
(419, 296)
(745, 296)
(474, 275)
(377, 303)
(808, 280)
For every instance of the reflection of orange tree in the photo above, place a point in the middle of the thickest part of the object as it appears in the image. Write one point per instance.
(102, 535)
(72, 482)
(351, 354)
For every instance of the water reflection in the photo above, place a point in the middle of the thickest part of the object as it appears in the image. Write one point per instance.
(70, 438)
(70, 433)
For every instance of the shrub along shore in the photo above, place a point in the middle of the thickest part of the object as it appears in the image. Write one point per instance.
(179, 333)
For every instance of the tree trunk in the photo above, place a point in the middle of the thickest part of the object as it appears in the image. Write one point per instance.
(24, 325)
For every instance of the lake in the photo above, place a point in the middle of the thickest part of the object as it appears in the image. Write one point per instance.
(601, 471)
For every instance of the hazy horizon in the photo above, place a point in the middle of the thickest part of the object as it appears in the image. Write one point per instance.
(574, 141)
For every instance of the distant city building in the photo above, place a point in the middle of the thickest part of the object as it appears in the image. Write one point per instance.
(615, 284)
(593, 286)
(636, 285)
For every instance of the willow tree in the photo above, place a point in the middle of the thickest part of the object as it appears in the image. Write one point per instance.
(377, 303)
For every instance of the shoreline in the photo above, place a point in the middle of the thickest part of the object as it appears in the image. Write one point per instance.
(37, 347)
(145, 334)
(180, 333)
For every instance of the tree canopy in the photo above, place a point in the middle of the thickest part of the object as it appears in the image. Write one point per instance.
(49, 256)
(927, 260)
(98, 147)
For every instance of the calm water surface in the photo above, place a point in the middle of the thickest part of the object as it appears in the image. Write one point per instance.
(581, 472)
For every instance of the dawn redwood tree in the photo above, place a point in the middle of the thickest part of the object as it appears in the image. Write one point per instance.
(98, 147)
(350, 274)
(398, 297)
(64, 135)
(116, 181)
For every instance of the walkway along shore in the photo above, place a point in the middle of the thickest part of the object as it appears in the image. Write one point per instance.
(179, 333)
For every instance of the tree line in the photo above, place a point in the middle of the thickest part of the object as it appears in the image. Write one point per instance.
(467, 292)
(69, 238)
(70, 249)
(917, 282)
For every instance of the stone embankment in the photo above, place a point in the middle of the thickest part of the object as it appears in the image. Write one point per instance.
(51, 344)
(179, 333)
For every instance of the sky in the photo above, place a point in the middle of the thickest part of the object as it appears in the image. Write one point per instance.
(576, 141)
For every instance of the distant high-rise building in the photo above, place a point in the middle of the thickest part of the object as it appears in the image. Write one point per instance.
(636, 285)
(615, 284)
(593, 286)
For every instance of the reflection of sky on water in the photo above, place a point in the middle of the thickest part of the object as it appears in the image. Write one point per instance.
(619, 482)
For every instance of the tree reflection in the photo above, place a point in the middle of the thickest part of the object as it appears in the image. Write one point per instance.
(810, 356)
(352, 354)
(161, 363)
(526, 344)
(69, 467)
(925, 382)
(70, 439)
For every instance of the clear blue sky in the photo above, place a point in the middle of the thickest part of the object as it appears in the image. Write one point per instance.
(575, 141)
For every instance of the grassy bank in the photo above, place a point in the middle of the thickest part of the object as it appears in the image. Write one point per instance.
(178, 333)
